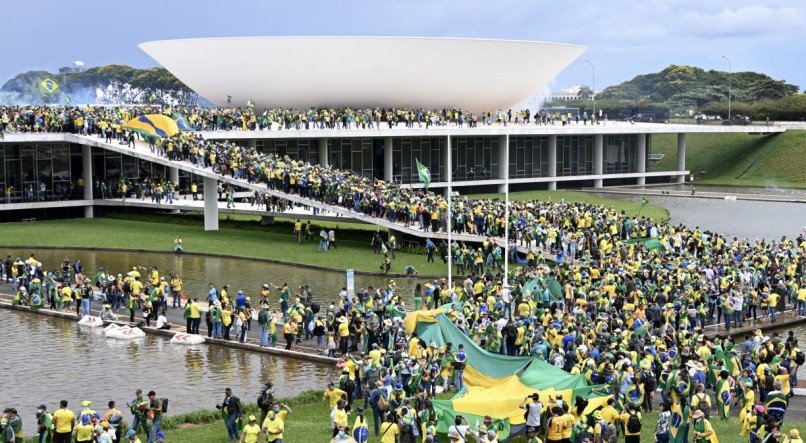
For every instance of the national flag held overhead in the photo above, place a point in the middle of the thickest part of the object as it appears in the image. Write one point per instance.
(424, 173)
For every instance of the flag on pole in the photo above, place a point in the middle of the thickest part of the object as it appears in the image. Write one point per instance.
(250, 103)
(424, 173)
(644, 201)
(67, 99)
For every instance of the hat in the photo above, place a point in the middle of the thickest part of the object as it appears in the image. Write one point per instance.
(86, 403)
(252, 418)
(160, 434)
(130, 432)
(793, 433)
(42, 407)
(698, 414)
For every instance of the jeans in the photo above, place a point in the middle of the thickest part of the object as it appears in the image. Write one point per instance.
(156, 426)
(737, 318)
(377, 418)
(177, 300)
(137, 422)
(232, 426)
(773, 317)
(217, 329)
(195, 326)
(802, 307)
(85, 306)
(662, 438)
(458, 379)
(264, 335)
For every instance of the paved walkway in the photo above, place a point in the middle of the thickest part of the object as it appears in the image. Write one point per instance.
(699, 194)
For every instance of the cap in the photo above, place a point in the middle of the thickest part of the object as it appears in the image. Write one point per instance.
(160, 434)
(252, 418)
(130, 432)
(86, 403)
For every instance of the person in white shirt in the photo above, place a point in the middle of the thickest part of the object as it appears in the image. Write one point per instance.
(534, 410)
(458, 431)
(163, 323)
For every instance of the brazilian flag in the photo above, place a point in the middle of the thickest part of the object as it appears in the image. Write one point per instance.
(48, 86)
(423, 173)
(723, 398)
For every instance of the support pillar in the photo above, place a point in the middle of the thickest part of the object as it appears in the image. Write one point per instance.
(552, 172)
(598, 159)
(681, 156)
(324, 153)
(503, 161)
(210, 204)
(86, 156)
(640, 147)
(388, 164)
(173, 177)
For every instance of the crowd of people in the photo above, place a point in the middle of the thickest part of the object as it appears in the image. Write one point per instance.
(109, 120)
(633, 302)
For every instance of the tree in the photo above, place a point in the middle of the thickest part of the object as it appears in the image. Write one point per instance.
(585, 93)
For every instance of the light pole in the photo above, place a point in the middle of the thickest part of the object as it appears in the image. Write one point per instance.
(730, 72)
(593, 87)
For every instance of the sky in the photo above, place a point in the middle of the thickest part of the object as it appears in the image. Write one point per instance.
(623, 38)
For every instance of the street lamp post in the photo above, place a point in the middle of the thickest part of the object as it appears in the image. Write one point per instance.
(593, 87)
(730, 72)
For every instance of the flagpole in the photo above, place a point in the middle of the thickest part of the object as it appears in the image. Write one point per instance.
(448, 217)
(505, 288)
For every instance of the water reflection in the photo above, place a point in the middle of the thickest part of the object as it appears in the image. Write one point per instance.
(59, 360)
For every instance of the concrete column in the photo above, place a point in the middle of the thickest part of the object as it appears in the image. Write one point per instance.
(598, 159)
(210, 204)
(86, 156)
(173, 177)
(640, 146)
(503, 161)
(552, 162)
(324, 153)
(388, 164)
(681, 156)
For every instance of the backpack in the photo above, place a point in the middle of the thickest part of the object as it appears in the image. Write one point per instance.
(703, 405)
(263, 401)
(383, 404)
(164, 402)
(634, 424)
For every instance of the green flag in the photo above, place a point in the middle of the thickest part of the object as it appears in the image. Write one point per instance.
(644, 201)
(67, 99)
(250, 103)
(424, 173)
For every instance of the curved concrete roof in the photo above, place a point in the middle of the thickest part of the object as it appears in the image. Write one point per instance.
(476, 75)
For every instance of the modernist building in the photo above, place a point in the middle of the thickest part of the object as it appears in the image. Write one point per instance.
(475, 75)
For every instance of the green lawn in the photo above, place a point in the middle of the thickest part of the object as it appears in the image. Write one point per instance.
(309, 421)
(239, 238)
(739, 159)
(652, 211)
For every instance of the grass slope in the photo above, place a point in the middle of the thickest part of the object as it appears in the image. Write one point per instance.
(738, 159)
(652, 211)
(244, 239)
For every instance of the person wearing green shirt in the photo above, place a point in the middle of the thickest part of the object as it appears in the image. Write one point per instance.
(139, 409)
(12, 430)
(44, 424)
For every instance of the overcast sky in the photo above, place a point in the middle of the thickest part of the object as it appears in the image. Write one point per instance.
(624, 38)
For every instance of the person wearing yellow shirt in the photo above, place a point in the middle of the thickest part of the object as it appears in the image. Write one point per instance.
(802, 301)
(783, 378)
(251, 432)
(195, 316)
(274, 426)
(338, 416)
(772, 302)
(83, 432)
(333, 394)
(609, 413)
(389, 430)
(555, 428)
(632, 433)
(64, 420)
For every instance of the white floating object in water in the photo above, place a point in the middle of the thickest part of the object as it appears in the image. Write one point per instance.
(91, 321)
(180, 338)
(124, 333)
(730, 197)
